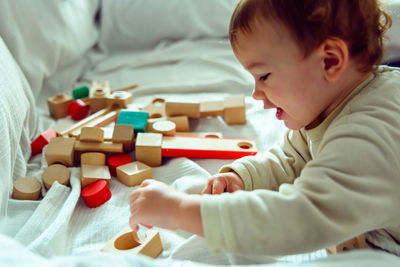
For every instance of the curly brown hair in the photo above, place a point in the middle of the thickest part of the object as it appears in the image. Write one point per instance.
(360, 23)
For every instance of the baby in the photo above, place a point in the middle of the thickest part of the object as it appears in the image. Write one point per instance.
(336, 174)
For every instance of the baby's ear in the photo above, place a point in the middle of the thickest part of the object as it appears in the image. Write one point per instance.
(335, 58)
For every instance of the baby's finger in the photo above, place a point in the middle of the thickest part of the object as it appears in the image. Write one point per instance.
(133, 225)
(145, 183)
(218, 187)
(207, 189)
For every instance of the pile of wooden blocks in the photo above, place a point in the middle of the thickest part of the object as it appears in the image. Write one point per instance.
(146, 134)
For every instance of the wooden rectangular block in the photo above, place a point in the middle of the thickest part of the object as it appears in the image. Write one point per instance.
(100, 121)
(197, 147)
(124, 134)
(134, 173)
(58, 105)
(138, 119)
(82, 123)
(192, 110)
(211, 108)
(235, 109)
(200, 134)
(92, 173)
(127, 241)
(98, 147)
(60, 150)
(148, 148)
(91, 134)
(98, 94)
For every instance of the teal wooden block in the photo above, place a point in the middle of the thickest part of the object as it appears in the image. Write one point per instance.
(138, 119)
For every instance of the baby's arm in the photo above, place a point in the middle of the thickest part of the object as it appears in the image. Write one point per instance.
(157, 204)
(281, 164)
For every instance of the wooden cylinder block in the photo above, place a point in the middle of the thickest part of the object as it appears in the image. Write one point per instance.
(165, 127)
(26, 188)
(93, 158)
(56, 172)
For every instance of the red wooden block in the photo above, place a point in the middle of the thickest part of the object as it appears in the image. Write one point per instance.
(204, 147)
(96, 194)
(115, 161)
(78, 109)
(42, 140)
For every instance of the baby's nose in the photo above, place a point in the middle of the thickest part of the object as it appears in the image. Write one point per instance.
(258, 94)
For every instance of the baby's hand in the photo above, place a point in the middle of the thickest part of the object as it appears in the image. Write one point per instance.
(223, 182)
(154, 204)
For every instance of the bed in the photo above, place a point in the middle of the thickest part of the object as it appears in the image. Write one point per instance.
(173, 50)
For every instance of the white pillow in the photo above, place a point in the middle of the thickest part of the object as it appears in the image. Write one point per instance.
(141, 24)
(47, 35)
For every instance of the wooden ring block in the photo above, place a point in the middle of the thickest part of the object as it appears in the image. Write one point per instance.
(128, 242)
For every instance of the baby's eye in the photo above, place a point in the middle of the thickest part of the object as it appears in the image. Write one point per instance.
(264, 77)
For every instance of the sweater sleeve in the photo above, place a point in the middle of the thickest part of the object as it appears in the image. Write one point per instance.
(281, 164)
(350, 188)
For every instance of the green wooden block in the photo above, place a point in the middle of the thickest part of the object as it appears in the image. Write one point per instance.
(138, 119)
(80, 92)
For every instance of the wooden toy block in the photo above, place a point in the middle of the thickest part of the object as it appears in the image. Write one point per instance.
(115, 161)
(78, 110)
(81, 92)
(93, 158)
(151, 121)
(41, 141)
(98, 94)
(197, 147)
(60, 150)
(92, 173)
(61, 126)
(124, 134)
(96, 193)
(91, 134)
(127, 241)
(101, 121)
(235, 109)
(138, 119)
(77, 126)
(126, 88)
(211, 109)
(26, 188)
(357, 243)
(164, 127)
(134, 173)
(156, 108)
(108, 133)
(181, 122)
(192, 110)
(98, 147)
(55, 172)
(148, 148)
(58, 105)
(200, 134)
(119, 100)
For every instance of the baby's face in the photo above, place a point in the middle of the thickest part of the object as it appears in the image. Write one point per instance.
(284, 79)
